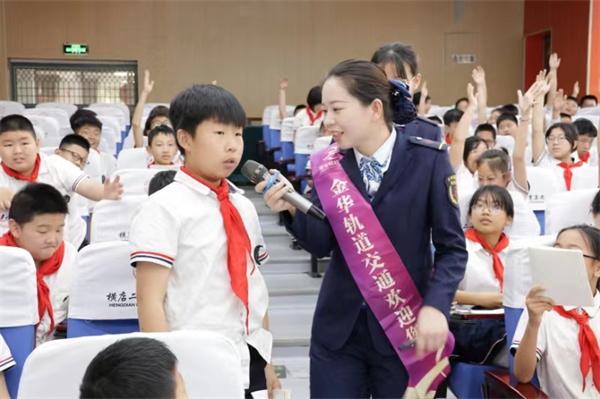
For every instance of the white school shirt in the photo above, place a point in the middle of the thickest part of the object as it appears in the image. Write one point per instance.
(59, 285)
(593, 159)
(558, 353)
(181, 228)
(55, 171)
(479, 272)
(383, 155)
(6, 359)
(301, 119)
(546, 161)
(466, 182)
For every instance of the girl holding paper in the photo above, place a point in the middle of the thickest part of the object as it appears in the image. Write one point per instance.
(561, 343)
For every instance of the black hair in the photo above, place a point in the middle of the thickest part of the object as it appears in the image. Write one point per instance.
(399, 55)
(459, 101)
(506, 117)
(36, 199)
(435, 119)
(499, 109)
(80, 113)
(131, 368)
(86, 119)
(588, 97)
(585, 127)
(500, 196)
(417, 98)
(200, 103)
(161, 129)
(471, 143)
(452, 116)
(590, 234)
(596, 204)
(572, 98)
(299, 108)
(161, 180)
(510, 109)
(565, 115)
(486, 127)
(75, 139)
(366, 82)
(314, 97)
(497, 160)
(12, 123)
(159, 110)
(569, 130)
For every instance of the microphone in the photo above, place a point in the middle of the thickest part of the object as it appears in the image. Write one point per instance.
(256, 173)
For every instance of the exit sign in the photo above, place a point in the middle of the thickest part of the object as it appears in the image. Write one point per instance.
(75, 49)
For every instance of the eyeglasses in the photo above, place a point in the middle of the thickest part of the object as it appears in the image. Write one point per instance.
(492, 208)
(78, 159)
(557, 139)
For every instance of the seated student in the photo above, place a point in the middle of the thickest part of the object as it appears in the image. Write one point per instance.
(561, 141)
(487, 133)
(133, 368)
(588, 101)
(461, 104)
(161, 180)
(162, 147)
(490, 211)
(494, 116)
(158, 115)
(90, 128)
(451, 119)
(6, 362)
(218, 230)
(507, 125)
(570, 106)
(561, 343)
(586, 133)
(22, 163)
(36, 224)
(74, 149)
(312, 114)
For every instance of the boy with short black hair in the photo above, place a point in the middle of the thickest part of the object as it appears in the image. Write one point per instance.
(22, 163)
(133, 368)
(161, 180)
(75, 149)
(587, 132)
(162, 147)
(451, 119)
(571, 106)
(588, 101)
(90, 127)
(197, 262)
(507, 125)
(36, 224)
(487, 132)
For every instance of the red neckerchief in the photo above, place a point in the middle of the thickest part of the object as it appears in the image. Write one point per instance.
(585, 157)
(238, 242)
(472, 235)
(568, 173)
(31, 178)
(312, 117)
(448, 139)
(48, 267)
(588, 344)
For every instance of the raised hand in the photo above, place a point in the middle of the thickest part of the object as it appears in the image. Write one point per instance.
(148, 84)
(283, 85)
(575, 92)
(478, 75)
(537, 304)
(471, 96)
(554, 61)
(112, 189)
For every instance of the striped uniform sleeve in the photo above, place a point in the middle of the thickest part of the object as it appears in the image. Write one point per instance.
(6, 359)
(153, 235)
(69, 175)
(520, 331)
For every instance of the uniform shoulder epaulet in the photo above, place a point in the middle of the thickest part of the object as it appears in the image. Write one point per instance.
(427, 121)
(435, 145)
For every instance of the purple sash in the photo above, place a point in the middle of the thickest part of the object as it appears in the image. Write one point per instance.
(378, 271)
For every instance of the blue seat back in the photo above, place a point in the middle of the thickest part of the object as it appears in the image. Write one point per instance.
(20, 341)
(266, 136)
(86, 328)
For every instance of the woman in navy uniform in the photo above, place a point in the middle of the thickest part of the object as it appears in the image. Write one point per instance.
(412, 192)
(399, 61)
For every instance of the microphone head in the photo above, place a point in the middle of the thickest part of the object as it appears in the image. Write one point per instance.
(254, 171)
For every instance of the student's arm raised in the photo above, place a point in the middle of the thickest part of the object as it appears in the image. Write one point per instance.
(553, 64)
(538, 141)
(283, 85)
(138, 113)
(110, 190)
(525, 358)
(151, 288)
(478, 76)
(462, 130)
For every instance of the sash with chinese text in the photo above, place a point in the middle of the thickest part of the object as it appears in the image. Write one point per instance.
(378, 271)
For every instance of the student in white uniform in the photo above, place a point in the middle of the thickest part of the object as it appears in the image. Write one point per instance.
(36, 224)
(162, 148)
(490, 211)
(22, 163)
(586, 134)
(90, 127)
(6, 362)
(197, 243)
(561, 343)
(313, 114)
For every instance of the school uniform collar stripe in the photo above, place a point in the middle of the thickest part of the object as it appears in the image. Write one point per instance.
(157, 254)
(6, 361)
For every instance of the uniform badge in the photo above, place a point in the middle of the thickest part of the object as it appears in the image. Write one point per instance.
(260, 254)
(452, 190)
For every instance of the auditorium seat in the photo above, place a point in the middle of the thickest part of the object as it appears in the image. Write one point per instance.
(50, 127)
(10, 108)
(569, 208)
(135, 181)
(68, 108)
(586, 177)
(103, 295)
(132, 158)
(18, 309)
(208, 362)
(60, 115)
(106, 227)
